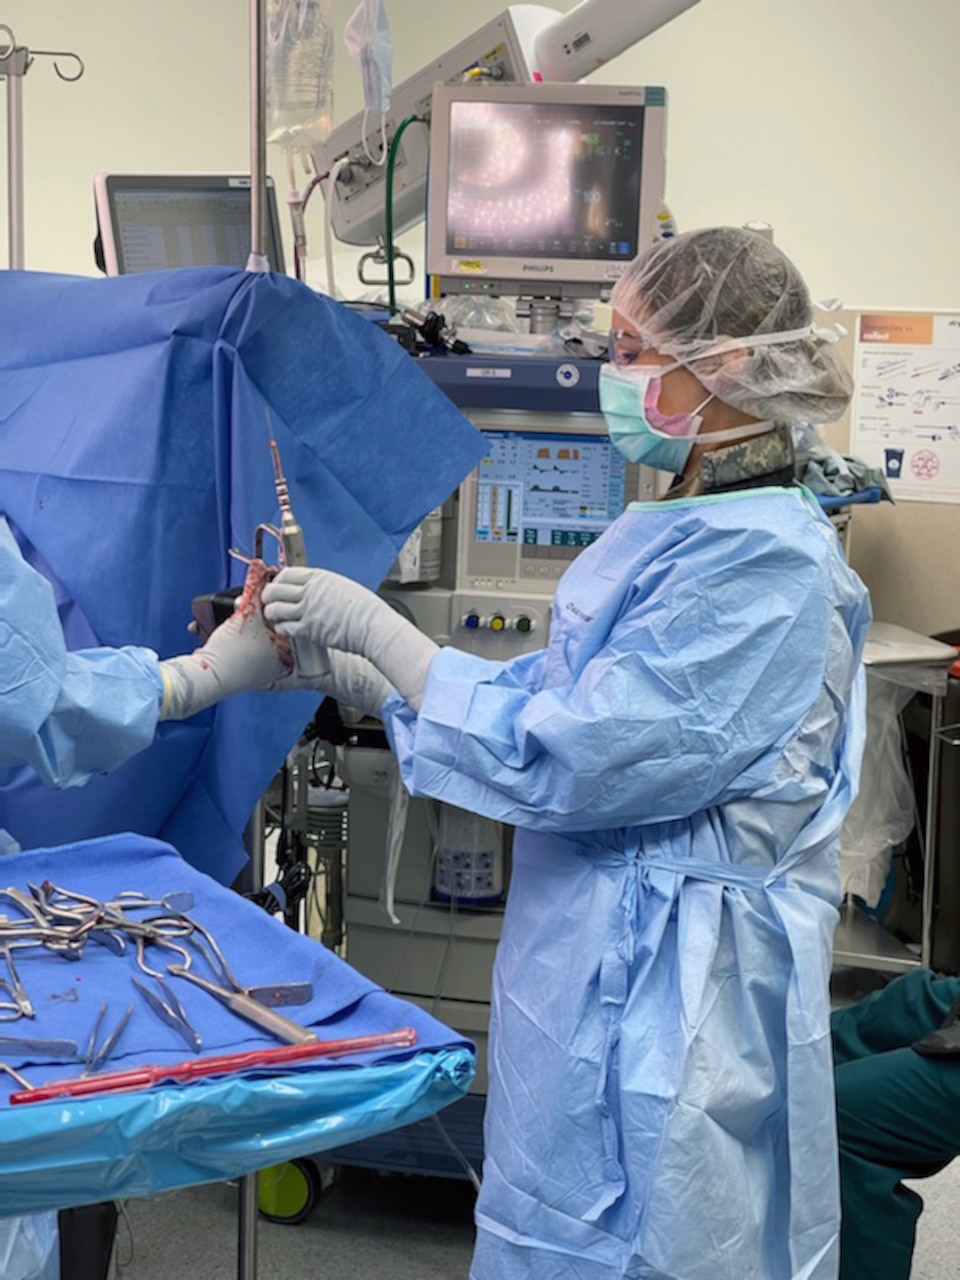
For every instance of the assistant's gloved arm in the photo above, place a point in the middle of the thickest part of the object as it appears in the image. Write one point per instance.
(352, 680)
(241, 655)
(317, 607)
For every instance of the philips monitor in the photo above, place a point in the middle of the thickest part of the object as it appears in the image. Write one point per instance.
(543, 190)
(147, 223)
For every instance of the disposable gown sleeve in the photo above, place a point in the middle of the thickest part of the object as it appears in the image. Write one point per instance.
(68, 715)
(694, 693)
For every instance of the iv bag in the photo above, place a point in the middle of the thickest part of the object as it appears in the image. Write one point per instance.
(299, 72)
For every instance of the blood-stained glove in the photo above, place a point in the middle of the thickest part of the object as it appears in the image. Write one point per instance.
(242, 654)
(317, 607)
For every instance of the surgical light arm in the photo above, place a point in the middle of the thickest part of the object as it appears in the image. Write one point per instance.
(526, 42)
(595, 31)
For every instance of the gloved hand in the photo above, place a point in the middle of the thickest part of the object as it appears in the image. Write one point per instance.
(241, 654)
(322, 608)
(352, 680)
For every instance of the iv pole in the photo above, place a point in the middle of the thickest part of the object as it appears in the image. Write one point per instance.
(247, 1198)
(15, 61)
(258, 136)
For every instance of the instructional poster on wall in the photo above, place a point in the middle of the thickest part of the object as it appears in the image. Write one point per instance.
(905, 416)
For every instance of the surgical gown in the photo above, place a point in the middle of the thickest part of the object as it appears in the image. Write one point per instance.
(677, 761)
(69, 715)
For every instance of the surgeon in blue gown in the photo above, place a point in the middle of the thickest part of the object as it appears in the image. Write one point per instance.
(677, 761)
(73, 715)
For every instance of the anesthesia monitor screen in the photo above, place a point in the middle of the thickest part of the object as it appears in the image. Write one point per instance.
(538, 490)
(544, 180)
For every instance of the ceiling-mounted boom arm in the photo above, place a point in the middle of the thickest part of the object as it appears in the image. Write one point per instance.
(526, 42)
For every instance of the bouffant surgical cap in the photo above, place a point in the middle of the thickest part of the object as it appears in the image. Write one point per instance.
(702, 296)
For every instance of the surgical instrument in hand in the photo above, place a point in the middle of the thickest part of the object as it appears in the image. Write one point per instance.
(244, 1007)
(169, 1009)
(293, 551)
(219, 1065)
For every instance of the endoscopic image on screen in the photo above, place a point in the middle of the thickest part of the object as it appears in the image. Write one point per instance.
(544, 180)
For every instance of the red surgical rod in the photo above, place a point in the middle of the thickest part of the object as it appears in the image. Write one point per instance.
(222, 1064)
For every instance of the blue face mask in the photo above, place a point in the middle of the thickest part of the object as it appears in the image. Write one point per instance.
(367, 37)
(628, 401)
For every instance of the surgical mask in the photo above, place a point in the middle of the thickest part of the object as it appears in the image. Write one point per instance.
(637, 428)
(367, 37)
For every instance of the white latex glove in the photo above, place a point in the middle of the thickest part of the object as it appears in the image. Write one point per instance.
(241, 654)
(352, 680)
(322, 608)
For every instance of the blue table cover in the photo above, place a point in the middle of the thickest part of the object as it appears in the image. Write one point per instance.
(134, 453)
(76, 1151)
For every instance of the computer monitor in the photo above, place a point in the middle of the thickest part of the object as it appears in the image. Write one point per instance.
(543, 190)
(148, 222)
(547, 487)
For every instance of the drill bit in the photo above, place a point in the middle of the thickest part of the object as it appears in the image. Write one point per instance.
(290, 534)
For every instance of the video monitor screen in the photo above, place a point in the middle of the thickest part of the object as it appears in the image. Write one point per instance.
(536, 489)
(544, 180)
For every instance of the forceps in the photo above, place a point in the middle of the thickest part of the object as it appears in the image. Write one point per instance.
(169, 1009)
(98, 1053)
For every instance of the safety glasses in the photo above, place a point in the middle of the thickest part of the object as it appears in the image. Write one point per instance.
(625, 348)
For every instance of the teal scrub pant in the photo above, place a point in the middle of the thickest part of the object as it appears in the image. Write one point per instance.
(898, 1117)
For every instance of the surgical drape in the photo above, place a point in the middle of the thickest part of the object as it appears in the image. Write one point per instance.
(135, 453)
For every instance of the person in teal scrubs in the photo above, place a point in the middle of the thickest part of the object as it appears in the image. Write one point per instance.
(897, 1068)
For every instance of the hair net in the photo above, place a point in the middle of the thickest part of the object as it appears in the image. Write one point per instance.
(697, 297)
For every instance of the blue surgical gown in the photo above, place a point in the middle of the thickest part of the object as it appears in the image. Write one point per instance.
(69, 715)
(677, 762)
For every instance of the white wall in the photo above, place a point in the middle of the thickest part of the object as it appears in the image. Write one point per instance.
(838, 121)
